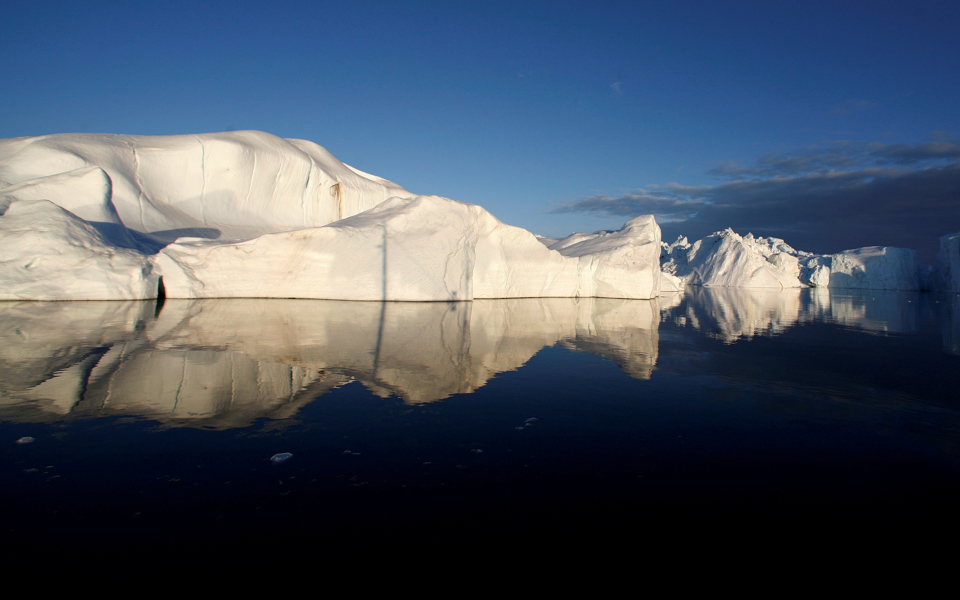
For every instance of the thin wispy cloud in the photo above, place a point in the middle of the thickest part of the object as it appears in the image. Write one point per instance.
(824, 199)
(840, 155)
(667, 206)
(906, 154)
(851, 106)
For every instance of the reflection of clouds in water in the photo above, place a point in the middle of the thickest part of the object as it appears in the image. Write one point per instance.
(224, 363)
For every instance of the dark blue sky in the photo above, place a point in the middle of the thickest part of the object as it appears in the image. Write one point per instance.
(832, 125)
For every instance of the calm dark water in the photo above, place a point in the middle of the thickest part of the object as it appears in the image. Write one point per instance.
(530, 422)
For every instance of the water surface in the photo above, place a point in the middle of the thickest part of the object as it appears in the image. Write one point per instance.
(421, 425)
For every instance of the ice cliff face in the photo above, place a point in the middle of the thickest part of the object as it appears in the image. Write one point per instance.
(617, 264)
(247, 214)
(421, 248)
(870, 268)
(47, 253)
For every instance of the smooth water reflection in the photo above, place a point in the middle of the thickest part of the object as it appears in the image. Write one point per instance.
(227, 362)
(732, 314)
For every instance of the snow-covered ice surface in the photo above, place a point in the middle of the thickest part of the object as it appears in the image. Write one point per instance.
(617, 264)
(85, 192)
(236, 184)
(248, 214)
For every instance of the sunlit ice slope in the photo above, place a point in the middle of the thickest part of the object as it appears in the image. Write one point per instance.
(236, 184)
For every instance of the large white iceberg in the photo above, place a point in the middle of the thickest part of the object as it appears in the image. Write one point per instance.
(247, 214)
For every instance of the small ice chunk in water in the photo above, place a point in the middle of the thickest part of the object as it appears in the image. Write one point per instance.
(532, 420)
(477, 451)
(25, 440)
(281, 457)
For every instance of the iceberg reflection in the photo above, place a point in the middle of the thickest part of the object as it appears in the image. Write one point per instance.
(732, 314)
(947, 307)
(224, 363)
(870, 310)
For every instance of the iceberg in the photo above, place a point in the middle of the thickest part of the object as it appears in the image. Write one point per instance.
(876, 268)
(619, 264)
(868, 268)
(248, 214)
(86, 193)
(726, 259)
(945, 276)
